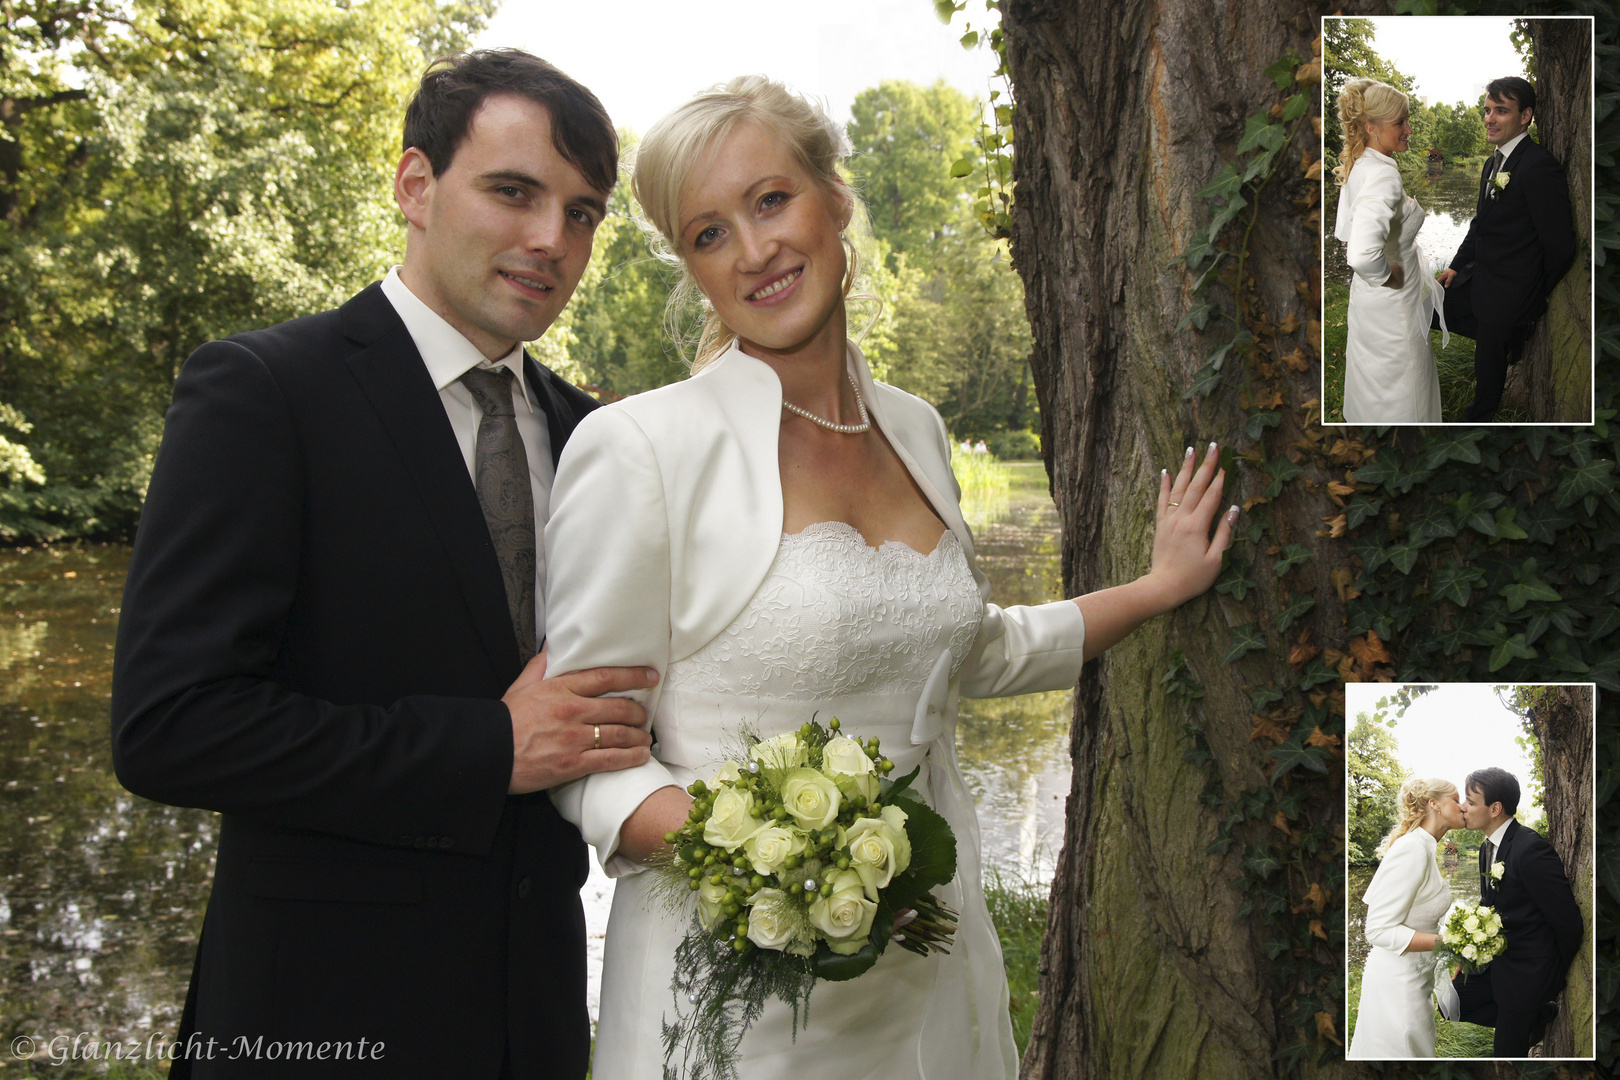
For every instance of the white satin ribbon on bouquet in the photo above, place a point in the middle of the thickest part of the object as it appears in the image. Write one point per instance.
(1433, 301)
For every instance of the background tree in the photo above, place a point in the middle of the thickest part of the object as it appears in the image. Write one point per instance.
(1375, 778)
(1459, 130)
(223, 165)
(1556, 370)
(1349, 52)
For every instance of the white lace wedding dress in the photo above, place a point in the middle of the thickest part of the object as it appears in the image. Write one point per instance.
(1389, 370)
(837, 628)
(1395, 1018)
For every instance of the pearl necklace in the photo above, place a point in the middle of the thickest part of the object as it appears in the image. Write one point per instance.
(842, 429)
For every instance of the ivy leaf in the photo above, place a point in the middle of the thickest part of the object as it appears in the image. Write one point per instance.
(1452, 446)
(1362, 507)
(1246, 639)
(1281, 470)
(1197, 317)
(1315, 674)
(1235, 580)
(1291, 556)
(1226, 184)
(1226, 213)
(1403, 556)
(1591, 478)
(1263, 695)
(1300, 606)
(1258, 131)
(1455, 581)
(1260, 420)
(1205, 383)
(1294, 754)
(1282, 73)
(1509, 648)
(961, 167)
(1294, 107)
(1505, 527)
(1263, 866)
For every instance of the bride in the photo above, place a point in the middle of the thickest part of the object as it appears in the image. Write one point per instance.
(1405, 903)
(779, 536)
(1389, 372)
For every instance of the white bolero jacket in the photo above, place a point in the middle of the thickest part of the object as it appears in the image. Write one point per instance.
(1371, 216)
(665, 518)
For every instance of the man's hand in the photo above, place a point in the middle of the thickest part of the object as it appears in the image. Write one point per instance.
(1397, 276)
(1446, 275)
(555, 721)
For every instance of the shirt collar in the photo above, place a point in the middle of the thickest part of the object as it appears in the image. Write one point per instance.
(1496, 837)
(447, 354)
(1512, 144)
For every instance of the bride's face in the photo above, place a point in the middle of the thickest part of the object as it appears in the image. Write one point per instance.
(1449, 810)
(761, 236)
(1390, 137)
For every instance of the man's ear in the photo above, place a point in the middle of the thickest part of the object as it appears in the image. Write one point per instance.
(413, 186)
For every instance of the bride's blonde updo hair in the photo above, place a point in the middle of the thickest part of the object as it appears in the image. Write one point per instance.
(682, 142)
(1361, 101)
(1412, 805)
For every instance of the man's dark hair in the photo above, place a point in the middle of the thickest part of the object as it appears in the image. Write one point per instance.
(454, 87)
(1512, 87)
(1495, 786)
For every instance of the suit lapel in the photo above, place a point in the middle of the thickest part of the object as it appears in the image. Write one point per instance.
(560, 419)
(396, 382)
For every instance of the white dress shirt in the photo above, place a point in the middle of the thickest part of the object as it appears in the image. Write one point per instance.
(1496, 839)
(448, 356)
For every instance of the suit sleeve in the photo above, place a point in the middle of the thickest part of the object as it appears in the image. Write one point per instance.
(1542, 873)
(1375, 208)
(1548, 196)
(198, 718)
(608, 601)
(1389, 897)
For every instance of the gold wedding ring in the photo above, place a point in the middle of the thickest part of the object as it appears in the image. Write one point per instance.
(596, 742)
(1175, 504)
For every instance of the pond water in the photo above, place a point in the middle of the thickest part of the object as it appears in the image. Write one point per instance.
(102, 893)
(1448, 196)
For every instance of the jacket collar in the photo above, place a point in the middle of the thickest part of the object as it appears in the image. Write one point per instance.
(748, 390)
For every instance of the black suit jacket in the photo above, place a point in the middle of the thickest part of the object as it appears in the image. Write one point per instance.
(1521, 241)
(1540, 919)
(314, 642)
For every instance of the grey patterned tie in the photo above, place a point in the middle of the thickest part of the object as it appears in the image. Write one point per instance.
(501, 475)
(1489, 886)
(1490, 176)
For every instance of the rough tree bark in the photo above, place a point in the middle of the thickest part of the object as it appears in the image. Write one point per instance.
(1563, 725)
(1151, 968)
(1556, 372)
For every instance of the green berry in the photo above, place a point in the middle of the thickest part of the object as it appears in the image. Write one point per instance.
(833, 723)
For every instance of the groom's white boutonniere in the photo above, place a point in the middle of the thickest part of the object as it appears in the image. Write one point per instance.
(1501, 180)
(1497, 870)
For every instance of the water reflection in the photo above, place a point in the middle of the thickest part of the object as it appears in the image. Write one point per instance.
(102, 892)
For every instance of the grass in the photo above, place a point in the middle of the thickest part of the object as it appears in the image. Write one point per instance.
(985, 481)
(1019, 911)
(1455, 364)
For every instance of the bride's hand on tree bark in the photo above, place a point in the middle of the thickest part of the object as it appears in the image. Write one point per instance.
(1186, 558)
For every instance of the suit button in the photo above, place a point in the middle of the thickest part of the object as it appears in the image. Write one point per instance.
(524, 886)
(421, 842)
(404, 841)
(445, 843)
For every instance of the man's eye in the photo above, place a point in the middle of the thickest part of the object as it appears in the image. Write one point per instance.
(511, 191)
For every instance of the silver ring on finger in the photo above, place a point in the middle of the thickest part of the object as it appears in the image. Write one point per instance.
(596, 740)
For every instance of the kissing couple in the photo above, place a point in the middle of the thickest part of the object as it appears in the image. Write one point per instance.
(1520, 877)
(420, 620)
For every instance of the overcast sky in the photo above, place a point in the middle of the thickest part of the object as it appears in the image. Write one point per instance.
(645, 57)
(1450, 731)
(1450, 57)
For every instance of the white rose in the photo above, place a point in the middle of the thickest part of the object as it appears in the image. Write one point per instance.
(771, 922)
(785, 751)
(731, 819)
(1470, 952)
(1497, 870)
(1479, 937)
(879, 849)
(1451, 937)
(846, 761)
(811, 798)
(710, 897)
(1471, 923)
(845, 917)
(768, 848)
(729, 774)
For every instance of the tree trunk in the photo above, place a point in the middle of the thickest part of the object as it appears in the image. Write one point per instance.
(1563, 726)
(1555, 375)
(1163, 959)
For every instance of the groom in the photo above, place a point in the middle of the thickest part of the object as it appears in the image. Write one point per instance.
(1519, 244)
(1520, 875)
(329, 619)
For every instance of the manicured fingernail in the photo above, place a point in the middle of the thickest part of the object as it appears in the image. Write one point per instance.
(652, 675)
(1163, 473)
(1212, 448)
(1189, 451)
(1232, 514)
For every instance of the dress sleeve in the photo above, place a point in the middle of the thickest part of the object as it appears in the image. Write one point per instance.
(1390, 895)
(607, 600)
(1376, 206)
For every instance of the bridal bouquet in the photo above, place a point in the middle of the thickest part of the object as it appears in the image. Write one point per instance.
(801, 855)
(1471, 935)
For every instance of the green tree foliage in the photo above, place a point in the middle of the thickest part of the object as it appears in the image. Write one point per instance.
(175, 171)
(1348, 53)
(1375, 780)
(1459, 130)
(905, 138)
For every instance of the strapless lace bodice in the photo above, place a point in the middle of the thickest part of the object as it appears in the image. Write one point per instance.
(836, 616)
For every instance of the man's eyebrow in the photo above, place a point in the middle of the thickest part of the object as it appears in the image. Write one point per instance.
(517, 176)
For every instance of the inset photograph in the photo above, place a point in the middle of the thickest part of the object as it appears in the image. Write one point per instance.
(1470, 889)
(1457, 220)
